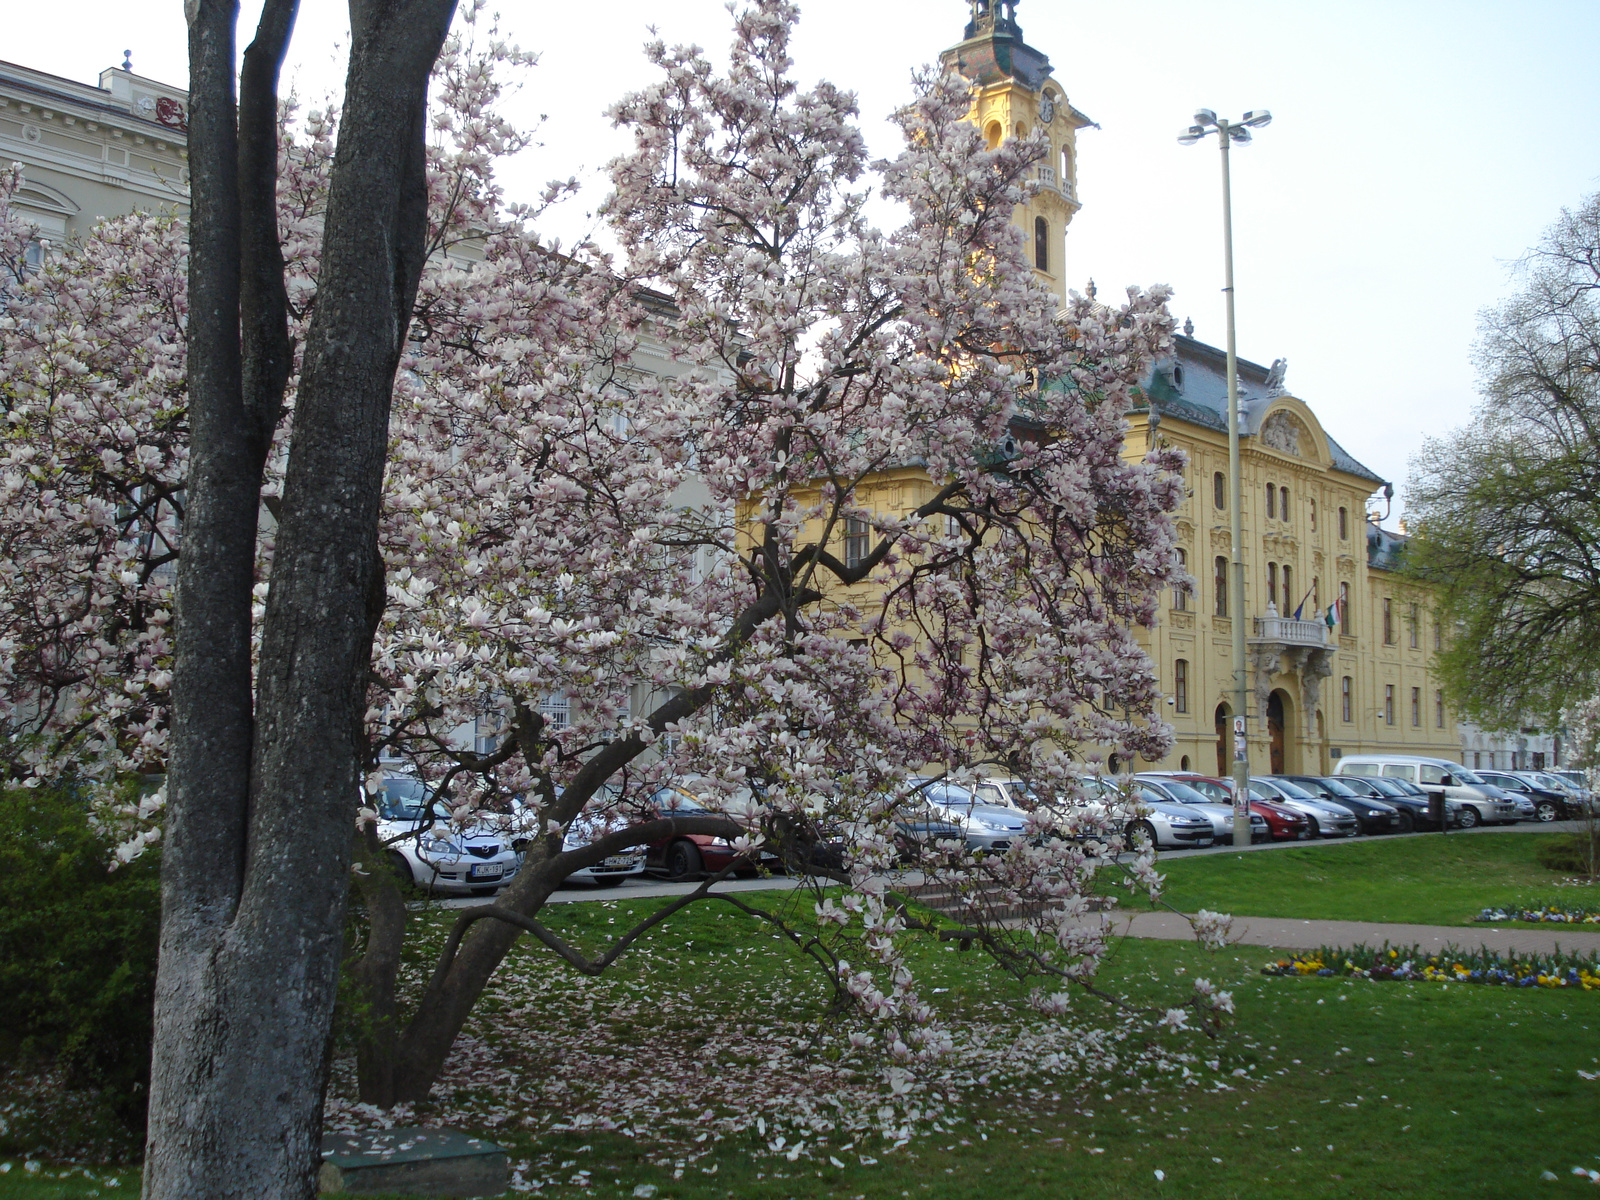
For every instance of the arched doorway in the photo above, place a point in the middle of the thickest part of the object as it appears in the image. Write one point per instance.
(1277, 720)
(1224, 759)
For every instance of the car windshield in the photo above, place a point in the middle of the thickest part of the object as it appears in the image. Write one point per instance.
(1218, 793)
(951, 795)
(1183, 793)
(672, 800)
(1294, 791)
(1549, 781)
(1465, 776)
(1337, 788)
(402, 799)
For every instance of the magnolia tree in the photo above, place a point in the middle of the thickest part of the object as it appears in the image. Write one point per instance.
(694, 562)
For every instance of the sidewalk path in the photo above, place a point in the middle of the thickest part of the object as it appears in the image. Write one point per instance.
(1309, 935)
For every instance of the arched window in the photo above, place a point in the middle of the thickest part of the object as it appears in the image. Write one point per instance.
(1066, 169)
(1183, 764)
(1344, 524)
(1288, 590)
(1313, 516)
(1272, 500)
(1346, 700)
(1180, 685)
(1283, 503)
(1180, 592)
(1041, 243)
(1388, 621)
(1347, 621)
(1272, 581)
(1219, 491)
(992, 134)
(1221, 585)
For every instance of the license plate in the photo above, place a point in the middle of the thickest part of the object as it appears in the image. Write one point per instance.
(617, 861)
(485, 872)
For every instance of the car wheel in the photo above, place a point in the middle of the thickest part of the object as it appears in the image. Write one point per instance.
(1545, 810)
(683, 860)
(1408, 823)
(1469, 817)
(1136, 829)
(1312, 827)
(401, 868)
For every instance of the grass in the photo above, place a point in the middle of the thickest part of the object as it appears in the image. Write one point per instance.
(1433, 880)
(1350, 1088)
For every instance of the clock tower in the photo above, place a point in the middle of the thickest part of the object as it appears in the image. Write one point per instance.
(1013, 95)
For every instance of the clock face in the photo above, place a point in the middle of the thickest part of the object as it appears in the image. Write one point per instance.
(1047, 110)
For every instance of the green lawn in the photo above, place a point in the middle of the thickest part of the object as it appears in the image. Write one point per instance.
(1433, 880)
(1351, 1088)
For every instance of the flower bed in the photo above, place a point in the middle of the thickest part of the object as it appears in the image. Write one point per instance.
(1449, 966)
(1554, 914)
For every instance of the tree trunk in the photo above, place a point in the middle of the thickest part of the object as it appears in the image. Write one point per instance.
(257, 865)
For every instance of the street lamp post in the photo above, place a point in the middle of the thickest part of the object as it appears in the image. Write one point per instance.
(1228, 132)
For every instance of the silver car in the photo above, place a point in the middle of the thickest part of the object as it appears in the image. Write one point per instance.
(1136, 807)
(988, 828)
(425, 850)
(1221, 815)
(1327, 820)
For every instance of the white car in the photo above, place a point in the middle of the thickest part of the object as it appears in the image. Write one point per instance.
(423, 849)
(609, 871)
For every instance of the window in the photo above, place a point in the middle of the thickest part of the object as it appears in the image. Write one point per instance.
(1180, 685)
(1388, 704)
(1415, 615)
(952, 525)
(1428, 773)
(1272, 500)
(1416, 708)
(1219, 497)
(992, 134)
(1180, 592)
(556, 710)
(1283, 503)
(1400, 771)
(855, 541)
(1041, 243)
(1388, 621)
(1272, 584)
(1347, 624)
(1438, 633)
(1221, 585)
(1344, 524)
(1313, 504)
(1438, 709)
(1288, 589)
(1346, 698)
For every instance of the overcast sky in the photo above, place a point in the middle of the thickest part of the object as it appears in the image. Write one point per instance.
(1419, 147)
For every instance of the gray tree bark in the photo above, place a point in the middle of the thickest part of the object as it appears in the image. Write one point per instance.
(262, 784)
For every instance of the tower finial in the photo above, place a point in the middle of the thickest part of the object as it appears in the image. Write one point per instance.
(127, 60)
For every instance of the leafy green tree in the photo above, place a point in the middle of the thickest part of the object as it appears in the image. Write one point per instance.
(1506, 510)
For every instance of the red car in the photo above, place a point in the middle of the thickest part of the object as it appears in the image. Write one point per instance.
(1285, 825)
(688, 855)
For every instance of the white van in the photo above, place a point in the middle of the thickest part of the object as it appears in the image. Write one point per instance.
(1481, 801)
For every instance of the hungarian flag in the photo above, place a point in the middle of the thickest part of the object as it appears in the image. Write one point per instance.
(1332, 615)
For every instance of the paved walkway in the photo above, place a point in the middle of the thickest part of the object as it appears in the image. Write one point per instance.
(1309, 935)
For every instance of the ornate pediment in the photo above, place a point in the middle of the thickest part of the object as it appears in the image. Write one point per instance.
(1285, 433)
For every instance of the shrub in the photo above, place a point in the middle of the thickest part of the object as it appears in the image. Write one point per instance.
(1576, 853)
(77, 947)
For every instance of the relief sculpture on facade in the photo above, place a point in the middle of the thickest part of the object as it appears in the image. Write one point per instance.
(1281, 432)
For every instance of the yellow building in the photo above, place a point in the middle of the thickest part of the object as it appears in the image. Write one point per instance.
(1366, 684)
(1014, 95)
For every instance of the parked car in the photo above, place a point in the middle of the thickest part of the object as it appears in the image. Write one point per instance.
(1372, 814)
(1577, 783)
(1283, 824)
(1548, 803)
(1134, 807)
(1220, 812)
(988, 828)
(1578, 796)
(423, 848)
(1326, 820)
(1006, 793)
(686, 855)
(1407, 797)
(1483, 803)
(611, 870)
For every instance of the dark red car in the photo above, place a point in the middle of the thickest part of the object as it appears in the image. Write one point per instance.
(1285, 825)
(690, 854)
